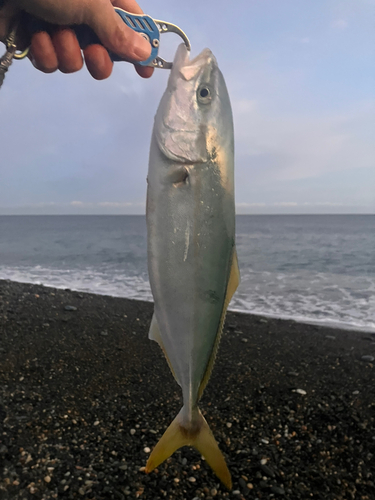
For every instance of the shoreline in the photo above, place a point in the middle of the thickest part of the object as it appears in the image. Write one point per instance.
(85, 395)
(335, 325)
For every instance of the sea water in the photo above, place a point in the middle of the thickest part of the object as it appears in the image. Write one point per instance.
(311, 268)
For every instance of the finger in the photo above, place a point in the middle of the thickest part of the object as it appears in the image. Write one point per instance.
(144, 71)
(42, 52)
(129, 5)
(67, 50)
(114, 34)
(98, 61)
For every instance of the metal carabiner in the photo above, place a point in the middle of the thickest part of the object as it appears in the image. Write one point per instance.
(21, 55)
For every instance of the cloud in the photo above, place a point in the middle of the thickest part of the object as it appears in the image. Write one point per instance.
(292, 204)
(302, 146)
(303, 40)
(116, 204)
(303, 208)
(339, 24)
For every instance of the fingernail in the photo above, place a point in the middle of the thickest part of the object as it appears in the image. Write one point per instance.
(141, 47)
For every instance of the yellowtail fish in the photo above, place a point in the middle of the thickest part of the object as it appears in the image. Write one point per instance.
(191, 249)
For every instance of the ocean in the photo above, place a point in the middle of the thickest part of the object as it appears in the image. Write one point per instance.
(310, 268)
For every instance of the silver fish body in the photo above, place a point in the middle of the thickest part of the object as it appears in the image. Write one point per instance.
(191, 230)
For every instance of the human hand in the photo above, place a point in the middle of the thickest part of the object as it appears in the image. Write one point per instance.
(57, 47)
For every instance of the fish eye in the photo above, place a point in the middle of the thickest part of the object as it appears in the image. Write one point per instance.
(204, 94)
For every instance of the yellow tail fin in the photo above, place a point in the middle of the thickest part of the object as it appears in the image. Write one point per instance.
(200, 437)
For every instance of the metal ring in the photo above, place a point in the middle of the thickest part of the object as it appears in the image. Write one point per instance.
(21, 55)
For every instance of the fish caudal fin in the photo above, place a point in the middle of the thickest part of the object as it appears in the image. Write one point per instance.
(200, 437)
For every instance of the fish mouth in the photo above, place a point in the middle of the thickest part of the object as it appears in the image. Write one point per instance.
(188, 69)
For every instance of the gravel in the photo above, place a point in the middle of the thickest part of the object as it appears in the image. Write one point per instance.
(80, 411)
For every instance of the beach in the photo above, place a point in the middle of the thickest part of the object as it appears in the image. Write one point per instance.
(85, 396)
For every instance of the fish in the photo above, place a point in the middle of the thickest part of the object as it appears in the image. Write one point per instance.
(192, 258)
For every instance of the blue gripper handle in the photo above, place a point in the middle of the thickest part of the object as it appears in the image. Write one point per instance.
(141, 24)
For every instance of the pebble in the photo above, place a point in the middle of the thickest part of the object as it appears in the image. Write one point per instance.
(368, 358)
(192, 479)
(300, 391)
(104, 333)
(243, 485)
(277, 490)
(229, 425)
(146, 449)
(47, 479)
(267, 471)
(236, 492)
(70, 308)
(132, 432)
(331, 337)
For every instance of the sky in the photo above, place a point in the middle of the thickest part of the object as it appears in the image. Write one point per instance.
(301, 77)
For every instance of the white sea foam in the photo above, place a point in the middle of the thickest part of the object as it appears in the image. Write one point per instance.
(84, 280)
(337, 301)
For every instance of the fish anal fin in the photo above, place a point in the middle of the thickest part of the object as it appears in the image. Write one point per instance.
(200, 437)
(154, 334)
(233, 282)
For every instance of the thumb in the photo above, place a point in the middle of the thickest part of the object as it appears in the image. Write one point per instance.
(114, 34)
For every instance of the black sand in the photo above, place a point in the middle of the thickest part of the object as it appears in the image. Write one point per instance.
(84, 392)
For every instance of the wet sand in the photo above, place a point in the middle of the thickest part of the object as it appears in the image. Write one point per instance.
(84, 396)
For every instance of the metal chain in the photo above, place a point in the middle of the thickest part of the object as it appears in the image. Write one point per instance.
(7, 59)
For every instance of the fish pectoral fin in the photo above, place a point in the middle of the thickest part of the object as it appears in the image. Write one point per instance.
(154, 334)
(200, 437)
(233, 282)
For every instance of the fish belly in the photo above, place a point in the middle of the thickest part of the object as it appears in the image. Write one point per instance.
(190, 248)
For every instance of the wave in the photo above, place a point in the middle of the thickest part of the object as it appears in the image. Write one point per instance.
(317, 301)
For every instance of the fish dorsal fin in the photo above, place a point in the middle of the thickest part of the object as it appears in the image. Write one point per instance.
(233, 282)
(154, 334)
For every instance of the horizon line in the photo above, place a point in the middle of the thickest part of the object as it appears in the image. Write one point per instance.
(143, 215)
